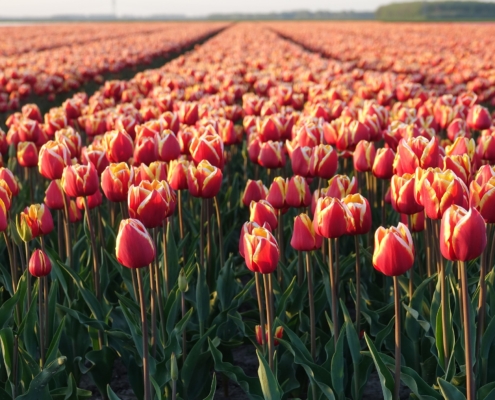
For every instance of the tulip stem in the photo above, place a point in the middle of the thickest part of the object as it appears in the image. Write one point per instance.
(443, 300)
(41, 322)
(259, 295)
(467, 333)
(280, 231)
(60, 234)
(334, 293)
(154, 331)
(312, 320)
(96, 272)
(382, 197)
(268, 298)
(144, 330)
(397, 337)
(165, 259)
(158, 284)
(300, 268)
(482, 295)
(358, 285)
(28, 276)
(220, 236)
(68, 246)
(202, 234)
(181, 225)
(13, 271)
(184, 337)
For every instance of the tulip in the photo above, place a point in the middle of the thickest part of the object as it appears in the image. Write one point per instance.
(402, 194)
(261, 250)
(34, 221)
(323, 161)
(332, 218)
(4, 223)
(188, 112)
(416, 152)
(271, 155)
(364, 156)
(7, 175)
(167, 146)
(27, 154)
(29, 130)
(53, 158)
(304, 237)
(300, 161)
(94, 201)
(439, 190)
(460, 165)
(75, 214)
(269, 128)
(134, 246)
(478, 118)
(32, 111)
(204, 180)
(255, 191)
(383, 164)
(361, 214)
(157, 170)
(80, 180)
(279, 334)
(340, 186)
(151, 202)
(144, 151)
(116, 180)
(248, 228)
(277, 193)
(262, 211)
(39, 264)
(54, 196)
(208, 147)
(177, 174)
(394, 250)
(5, 194)
(298, 192)
(118, 146)
(95, 154)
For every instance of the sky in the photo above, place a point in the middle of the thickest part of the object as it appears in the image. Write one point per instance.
(43, 8)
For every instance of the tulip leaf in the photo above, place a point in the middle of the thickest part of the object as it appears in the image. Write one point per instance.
(111, 394)
(386, 378)
(51, 353)
(337, 368)
(250, 385)
(7, 308)
(269, 385)
(213, 388)
(352, 335)
(102, 361)
(172, 257)
(7, 343)
(38, 388)
(226, 285)
(202, 296)
(487, 339)
(449, 391)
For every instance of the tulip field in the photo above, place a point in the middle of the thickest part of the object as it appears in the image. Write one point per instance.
(282, 210)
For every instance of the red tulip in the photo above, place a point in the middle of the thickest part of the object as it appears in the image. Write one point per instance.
(383, 164)
(177, 174)
(279, 334)
(262, 211)
(332, 218)
(324, 161)
(116, 180)
(277, 194)
(255, 191)
(80, 180)
(188, 112)
(95, 154)
(39, 264)
(482, 198)
(208, 147)
(29, 130)
(27, 154)
(204, 180)
(340, 186)
(300, 161)
(72, 139)
(7, 175)
(248, 228)
(34, 221)
(364, 156)
(151, 202)
(304, 237)
(361, 214)
(298, 192)
(402, 194)
(394, 250)
(94, 201)
(462, 234)
(261, 251)
(271, 155)
(118, 146)
(53, 158)
(4, 223)
(54, 196)
(75, 214)
(478, 118)
(416, 152)
(167, 146)
(417, 221)
(134, 246)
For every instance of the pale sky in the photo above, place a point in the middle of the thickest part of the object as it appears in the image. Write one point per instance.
(42, 8)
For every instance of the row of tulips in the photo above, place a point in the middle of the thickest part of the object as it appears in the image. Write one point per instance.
(171, 150)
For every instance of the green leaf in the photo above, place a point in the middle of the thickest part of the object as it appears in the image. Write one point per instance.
(386, 378)
(38, 388)
(338, 365)
(269, 385)
(101, 371)
(226, 285)
(202, 296)
(352, 335)
(111, 394)
(7, 308)
(449, 391)
(51, 354)
(7, 342)
(213, 388)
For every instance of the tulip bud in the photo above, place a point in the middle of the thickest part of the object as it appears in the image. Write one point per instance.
(332, 218)
(53, 158)
(72, 140)
(177, 174)
(54, 196)
(144, 151)
(383, 164)
(80, 180)
(262, 211)
(116, 180)
(300, 159)
(118, 146)
(188, 112)
(39, 264)
(261, 251)
(324, 161)
(298, 192)
(167, 146)
(208, 147)
(248, 228)
(182, 281)
(462, 234)
(277, 193)
(394, 250)
(151, 202)
(29, 130)
(304, 237)
(364, 156)
(134, 246)
(402, 194)
(27, 154)
(174, 369)
(271, 155)
(340, 186)
(361, 214)
(255, 191)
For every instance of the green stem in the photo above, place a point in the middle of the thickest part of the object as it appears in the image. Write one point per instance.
(144, 329)
(397, 337)
(259, 295)
(312, 319)
(334, 293)
(269, 315)
(470, 382)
